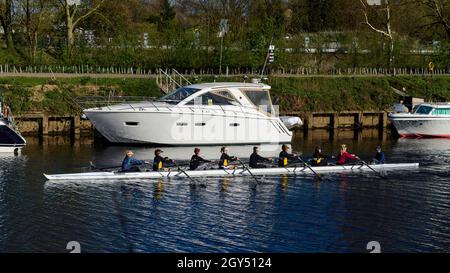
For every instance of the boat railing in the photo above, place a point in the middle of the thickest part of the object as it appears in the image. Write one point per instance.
(88, 102)
(143, 103)
(171, 80)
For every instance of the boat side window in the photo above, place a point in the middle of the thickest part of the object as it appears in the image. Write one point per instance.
(179, 95)
(216, 97)
(424, 110)
(442, 111)
(260, 98)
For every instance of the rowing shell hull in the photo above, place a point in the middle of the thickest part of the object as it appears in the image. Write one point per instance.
(225, 173)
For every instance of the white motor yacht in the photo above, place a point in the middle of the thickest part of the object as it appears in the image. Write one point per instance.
(199, 114)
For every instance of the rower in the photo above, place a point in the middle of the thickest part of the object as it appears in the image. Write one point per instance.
(130, 164)
(319, 159)
(255, 158)
(196, 160)
(285, 156)
(160, 162)
(379, 156)
(225, 159)
(344, 155)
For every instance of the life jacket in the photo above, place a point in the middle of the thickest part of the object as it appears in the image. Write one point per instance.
(158, 163)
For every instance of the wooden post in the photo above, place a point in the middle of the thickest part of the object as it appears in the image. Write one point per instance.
(44, 125)
(333, 118)
(309, 119)
(76, 125)
(358, 120)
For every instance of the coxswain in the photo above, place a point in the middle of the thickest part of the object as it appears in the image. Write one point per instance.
(319, 159)
(160, 162)
(196, 160)
(344, 155)
(379, 156)
(130, 164)
(285, 156)
(255, 158)
(225, 159)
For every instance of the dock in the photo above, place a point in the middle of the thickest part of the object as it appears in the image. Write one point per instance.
(41, 124)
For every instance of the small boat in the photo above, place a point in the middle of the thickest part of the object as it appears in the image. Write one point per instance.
(226, 173)
(426, 120)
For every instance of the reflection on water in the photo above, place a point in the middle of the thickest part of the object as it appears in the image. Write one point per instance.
(406, 213)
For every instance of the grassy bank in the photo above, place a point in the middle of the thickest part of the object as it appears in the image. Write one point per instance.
(304, 94)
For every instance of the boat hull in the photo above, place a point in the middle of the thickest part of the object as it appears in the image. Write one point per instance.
(410, 126)
(10, 149)
(10, 140)
(182, 129)
(93, 176)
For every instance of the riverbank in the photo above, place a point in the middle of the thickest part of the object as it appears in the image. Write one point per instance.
(55, 96)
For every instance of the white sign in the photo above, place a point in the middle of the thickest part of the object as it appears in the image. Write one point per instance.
(223, 27)
(74, 2)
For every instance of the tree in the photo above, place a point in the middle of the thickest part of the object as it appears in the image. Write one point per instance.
(385, 28)
(438, 13)
(6, 20)
(33, 17)
(75, 11)
(166, 16)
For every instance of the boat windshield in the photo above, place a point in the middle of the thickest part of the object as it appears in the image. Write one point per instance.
(423, 110)
(179, 94)
(260, 99)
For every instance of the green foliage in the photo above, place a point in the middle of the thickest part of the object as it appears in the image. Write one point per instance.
(59, 102)
(18, 98)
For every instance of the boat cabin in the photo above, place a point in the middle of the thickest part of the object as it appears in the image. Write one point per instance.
(222, 94)
(432, 109)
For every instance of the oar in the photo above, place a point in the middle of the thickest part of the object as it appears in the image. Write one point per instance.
(368, 166)
(309, 167)
(187, 175)
(246, 168)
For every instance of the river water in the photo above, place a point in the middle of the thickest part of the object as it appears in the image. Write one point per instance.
(409, 212)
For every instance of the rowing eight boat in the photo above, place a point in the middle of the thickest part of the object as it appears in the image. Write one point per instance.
(224, 173)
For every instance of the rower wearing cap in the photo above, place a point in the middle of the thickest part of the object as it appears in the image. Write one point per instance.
(196, 160)
(285, 156)
(160, 162)
(344, 155)
(255, 158)
(225, 159)
(130, 164)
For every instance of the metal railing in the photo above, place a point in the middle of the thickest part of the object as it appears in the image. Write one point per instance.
(169, 82)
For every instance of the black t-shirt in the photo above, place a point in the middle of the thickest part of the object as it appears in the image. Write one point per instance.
(226, 157)
(282, 157)
(255, 159)
(159, 159)
(195, 162)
